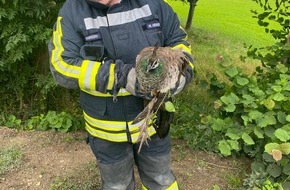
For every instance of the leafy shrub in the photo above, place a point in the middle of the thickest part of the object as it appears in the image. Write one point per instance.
(26, 27)
(252, 116)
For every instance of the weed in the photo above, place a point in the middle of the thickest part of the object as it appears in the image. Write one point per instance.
(85, 178)
(10, 159)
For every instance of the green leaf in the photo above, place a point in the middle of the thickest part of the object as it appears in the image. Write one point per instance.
(216, 187)
(247, 139)
(224, 148)
(268, 119)
(257, 166)
(282, 135)
(269, 132)
(285, 148)
(281, 117)
(230, 108)
(218, 124)
(277, 88)
(288, 118)
(234, 144)
(268, 103)
(232, 71)
(233, 136)
(279, 97)
(259, 132)
(254, 114)
(271, 146)
(242, 81)
(169, 106)
(286, 169)
(274, 170)
(230, 99)
(287, 86)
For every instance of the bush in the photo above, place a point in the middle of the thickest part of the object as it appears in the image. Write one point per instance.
(252, 116)
(25, 81)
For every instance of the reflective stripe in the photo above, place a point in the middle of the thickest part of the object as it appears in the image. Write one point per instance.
(110, 125)
(184, 48)
(117, 137)
(118, 18)
(122, 92)
(56, 55)
(173, 186)
(111, 77)
(88, 74)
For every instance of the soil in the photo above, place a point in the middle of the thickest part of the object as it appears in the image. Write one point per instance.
(52, 160)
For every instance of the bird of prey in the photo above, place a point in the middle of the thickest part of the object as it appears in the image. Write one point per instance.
(158, 69)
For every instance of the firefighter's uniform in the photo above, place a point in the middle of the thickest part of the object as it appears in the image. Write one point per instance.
(85, 34)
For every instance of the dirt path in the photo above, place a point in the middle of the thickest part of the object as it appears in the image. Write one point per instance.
(54, 160)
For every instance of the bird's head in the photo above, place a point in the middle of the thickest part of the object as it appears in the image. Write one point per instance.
(152, 64)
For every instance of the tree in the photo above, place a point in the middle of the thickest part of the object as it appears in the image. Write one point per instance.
(26, 27)
(192, 5)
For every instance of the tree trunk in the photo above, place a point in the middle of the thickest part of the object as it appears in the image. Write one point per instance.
(192, 5)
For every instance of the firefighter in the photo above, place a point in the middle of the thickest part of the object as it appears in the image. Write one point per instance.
(89, 38)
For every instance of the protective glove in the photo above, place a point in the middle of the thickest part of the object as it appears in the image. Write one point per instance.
(104, 77)
(126, 78)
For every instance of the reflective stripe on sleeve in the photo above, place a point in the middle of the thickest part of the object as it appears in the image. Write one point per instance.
(56, 55)
(88, 74)
(111, 77)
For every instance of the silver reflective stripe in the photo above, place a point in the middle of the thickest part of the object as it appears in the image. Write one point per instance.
(118, 18)
(88, 74)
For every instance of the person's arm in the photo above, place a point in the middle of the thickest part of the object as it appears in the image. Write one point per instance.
(68, 62)
(176, 37)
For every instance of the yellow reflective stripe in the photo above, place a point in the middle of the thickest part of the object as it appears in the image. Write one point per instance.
(113, 126)
(111, 77)
(94, 72)
(143, 187)
(184, 48)
(88, 74)
(105, 125)
(122, 92)
(173, 186)
(82, 79)
(120, 137)
(56, 55)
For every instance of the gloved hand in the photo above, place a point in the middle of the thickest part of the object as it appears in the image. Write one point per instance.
(126, 78)
(105, 78)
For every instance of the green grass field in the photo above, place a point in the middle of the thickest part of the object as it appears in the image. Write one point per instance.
(230, 19)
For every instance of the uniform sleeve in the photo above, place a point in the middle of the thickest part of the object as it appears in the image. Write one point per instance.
(67, 65)
(174, 35)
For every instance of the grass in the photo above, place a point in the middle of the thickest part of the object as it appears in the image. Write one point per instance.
(220, 30)
(230, 19)
(9, 159)
(85, 178)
